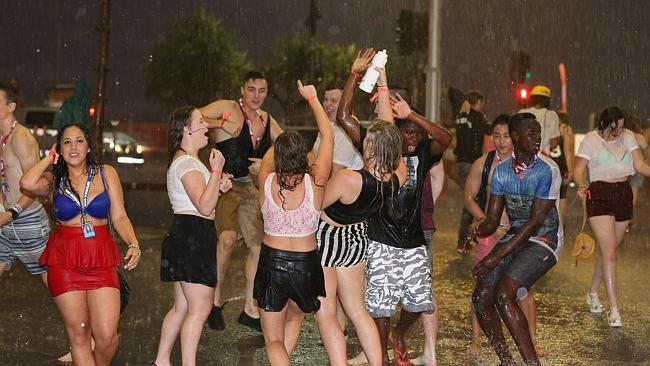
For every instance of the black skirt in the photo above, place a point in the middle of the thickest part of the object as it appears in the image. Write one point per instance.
(189, 251)
(283, 275)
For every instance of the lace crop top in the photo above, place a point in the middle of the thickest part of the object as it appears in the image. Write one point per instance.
(299, 222)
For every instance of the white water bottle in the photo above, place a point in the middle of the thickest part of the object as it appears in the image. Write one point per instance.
(370, 79)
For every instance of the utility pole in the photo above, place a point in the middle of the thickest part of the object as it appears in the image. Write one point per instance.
(104, 30)
(433, 64)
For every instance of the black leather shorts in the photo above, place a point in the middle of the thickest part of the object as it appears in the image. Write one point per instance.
(282, 275)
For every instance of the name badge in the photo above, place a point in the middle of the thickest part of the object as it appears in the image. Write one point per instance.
(88, 229)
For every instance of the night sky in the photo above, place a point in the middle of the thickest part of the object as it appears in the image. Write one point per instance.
(605, 44)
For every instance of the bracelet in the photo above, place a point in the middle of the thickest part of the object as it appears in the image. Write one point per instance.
(223, 122)
(217, 171)
(136, 246)
(356, 75)
(382, 89)
(312, 98)
(583, 186)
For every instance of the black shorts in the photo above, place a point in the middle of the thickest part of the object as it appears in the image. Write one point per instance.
(189, 251)
(610, 199)
(282, 275)
(525, 265)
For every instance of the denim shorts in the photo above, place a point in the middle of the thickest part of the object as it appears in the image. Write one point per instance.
(525, 265)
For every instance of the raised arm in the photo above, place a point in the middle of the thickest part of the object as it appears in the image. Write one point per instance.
(384, 109)
(217, 114)
(37, 181)
(440, 135)
(344, 117)
(323, 163)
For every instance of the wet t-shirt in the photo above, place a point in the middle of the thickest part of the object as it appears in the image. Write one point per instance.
(398, 224)
(542, 180)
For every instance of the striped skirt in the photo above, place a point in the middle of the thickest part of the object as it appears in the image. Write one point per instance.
(343, 246)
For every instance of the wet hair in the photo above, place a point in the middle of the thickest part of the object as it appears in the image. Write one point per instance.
(290, 158)
(385, 141)
(384, 144)
(564, 117)
(10, 93)
(179, 118)
(253, 75)
(543, 101)
(515, 123)
(474, 97)
(502, 119)
(608, 118)
(60, 169)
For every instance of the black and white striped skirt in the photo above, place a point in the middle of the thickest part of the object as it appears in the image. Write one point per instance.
(342, 246)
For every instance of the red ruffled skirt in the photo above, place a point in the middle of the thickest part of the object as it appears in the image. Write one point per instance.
(75, 263)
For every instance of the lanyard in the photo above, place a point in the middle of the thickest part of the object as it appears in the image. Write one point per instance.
(74, 198)
(5, 183)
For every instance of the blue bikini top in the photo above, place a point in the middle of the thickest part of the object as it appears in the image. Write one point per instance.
(66, 208)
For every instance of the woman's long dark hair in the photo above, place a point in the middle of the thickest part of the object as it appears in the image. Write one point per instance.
(608, 118)
(290, 157)
(60, 169)
(177, 121)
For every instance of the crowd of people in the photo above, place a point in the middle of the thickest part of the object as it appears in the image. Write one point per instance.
(343, 230)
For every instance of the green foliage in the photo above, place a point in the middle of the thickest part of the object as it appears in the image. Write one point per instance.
(195, 62)
(313, 61)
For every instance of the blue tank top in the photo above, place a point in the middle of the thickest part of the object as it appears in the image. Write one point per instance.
(66, 209)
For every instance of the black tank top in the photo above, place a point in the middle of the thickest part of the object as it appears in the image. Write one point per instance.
(238, 149)
(374, 194)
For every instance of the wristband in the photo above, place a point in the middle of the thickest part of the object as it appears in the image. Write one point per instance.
(55, 156)
(217, 171)
(356, 75)
(223, 122)
(14, 213)
(312, 98)
(382, 89)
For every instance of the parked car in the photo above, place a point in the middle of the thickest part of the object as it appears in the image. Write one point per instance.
(40, 121)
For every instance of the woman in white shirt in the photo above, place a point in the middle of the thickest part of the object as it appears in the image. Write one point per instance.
(188, 257)
(612, 155)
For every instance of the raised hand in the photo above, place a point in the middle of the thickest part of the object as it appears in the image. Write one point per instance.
(363, 61)
(307, 91)
(216, 159)
(401, 108)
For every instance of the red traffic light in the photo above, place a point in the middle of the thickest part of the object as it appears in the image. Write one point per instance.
(523, 93)
(91, 111)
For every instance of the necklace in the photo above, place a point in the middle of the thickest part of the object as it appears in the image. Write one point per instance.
(5, 184)
(520, 167)
(250, 125)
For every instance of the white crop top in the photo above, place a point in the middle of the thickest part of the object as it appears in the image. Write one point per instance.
(299, 222)
(608, 159)
(177, 195)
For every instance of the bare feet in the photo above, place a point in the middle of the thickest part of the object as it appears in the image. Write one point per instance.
(65, 359)
(400, 353)
(425, 360)
(361, 359)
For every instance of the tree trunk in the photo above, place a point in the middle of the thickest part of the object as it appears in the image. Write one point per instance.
(104, 30)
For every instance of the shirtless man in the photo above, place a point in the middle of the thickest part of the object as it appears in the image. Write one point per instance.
(243, 132)
(24, 225)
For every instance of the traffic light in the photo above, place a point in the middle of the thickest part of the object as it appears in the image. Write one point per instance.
(522, 95)
(523, 66)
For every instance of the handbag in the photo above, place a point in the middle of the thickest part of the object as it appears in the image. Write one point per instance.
(584, 245)
(125, 292)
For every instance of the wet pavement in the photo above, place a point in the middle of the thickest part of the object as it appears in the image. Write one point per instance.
(31, 332)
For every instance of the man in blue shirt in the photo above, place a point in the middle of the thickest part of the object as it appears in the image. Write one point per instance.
(527, 185)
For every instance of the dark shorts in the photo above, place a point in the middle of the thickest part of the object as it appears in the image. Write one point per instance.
(610, 199)
(526, 265)
(189, 251)
(283, 275)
